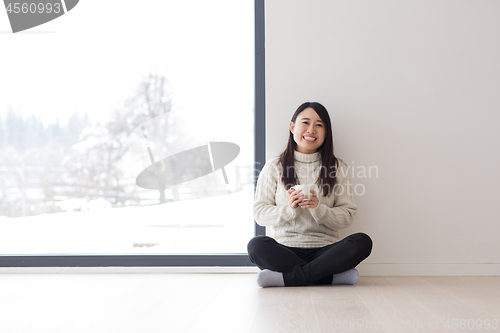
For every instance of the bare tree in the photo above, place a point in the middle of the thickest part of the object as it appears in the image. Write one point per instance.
(153, 98)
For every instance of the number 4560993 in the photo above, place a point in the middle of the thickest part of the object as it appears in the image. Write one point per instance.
(33, 8)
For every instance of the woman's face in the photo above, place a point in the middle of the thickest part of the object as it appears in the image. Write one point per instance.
(308, 131)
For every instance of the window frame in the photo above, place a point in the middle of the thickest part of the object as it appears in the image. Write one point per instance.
(177, 260)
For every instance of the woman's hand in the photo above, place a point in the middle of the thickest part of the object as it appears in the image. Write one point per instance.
(313, 201)
(294, 198)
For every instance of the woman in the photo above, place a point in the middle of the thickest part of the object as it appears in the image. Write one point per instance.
(305, 248)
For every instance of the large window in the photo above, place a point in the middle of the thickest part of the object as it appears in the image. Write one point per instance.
(122, 90)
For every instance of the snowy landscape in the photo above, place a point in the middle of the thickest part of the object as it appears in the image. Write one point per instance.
(78, 126)
(221, 224)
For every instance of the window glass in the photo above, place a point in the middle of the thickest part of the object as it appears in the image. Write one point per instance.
(91, 101)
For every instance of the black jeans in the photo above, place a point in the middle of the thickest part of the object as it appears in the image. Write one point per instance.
(309, 266)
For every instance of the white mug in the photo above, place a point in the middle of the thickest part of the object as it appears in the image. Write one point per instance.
(305, 189)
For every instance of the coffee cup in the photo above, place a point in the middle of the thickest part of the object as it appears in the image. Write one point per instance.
(305, 189)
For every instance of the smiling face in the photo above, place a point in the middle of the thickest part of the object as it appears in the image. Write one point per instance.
(308, 131)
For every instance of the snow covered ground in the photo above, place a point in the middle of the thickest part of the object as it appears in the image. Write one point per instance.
(216, 225)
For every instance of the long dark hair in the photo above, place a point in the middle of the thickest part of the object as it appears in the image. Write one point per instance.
(328, 174)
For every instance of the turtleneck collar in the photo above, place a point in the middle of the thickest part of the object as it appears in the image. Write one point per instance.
(306, 158)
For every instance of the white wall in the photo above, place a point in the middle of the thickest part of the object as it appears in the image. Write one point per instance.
(413, 88)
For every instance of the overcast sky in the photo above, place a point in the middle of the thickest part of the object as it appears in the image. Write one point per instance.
(92, 58)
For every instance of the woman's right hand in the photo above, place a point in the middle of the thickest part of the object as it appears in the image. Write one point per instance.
(294, 198)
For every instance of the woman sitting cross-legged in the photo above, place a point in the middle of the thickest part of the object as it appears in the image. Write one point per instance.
(305, 248)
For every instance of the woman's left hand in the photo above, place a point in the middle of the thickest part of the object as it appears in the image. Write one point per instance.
(312, 203)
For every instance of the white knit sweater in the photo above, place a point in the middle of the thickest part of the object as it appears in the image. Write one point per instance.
(303, 227)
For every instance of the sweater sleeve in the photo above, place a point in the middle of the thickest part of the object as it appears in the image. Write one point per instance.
(341, 215)
(265, 210)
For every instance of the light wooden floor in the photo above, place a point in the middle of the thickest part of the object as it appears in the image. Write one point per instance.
(125, 303)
